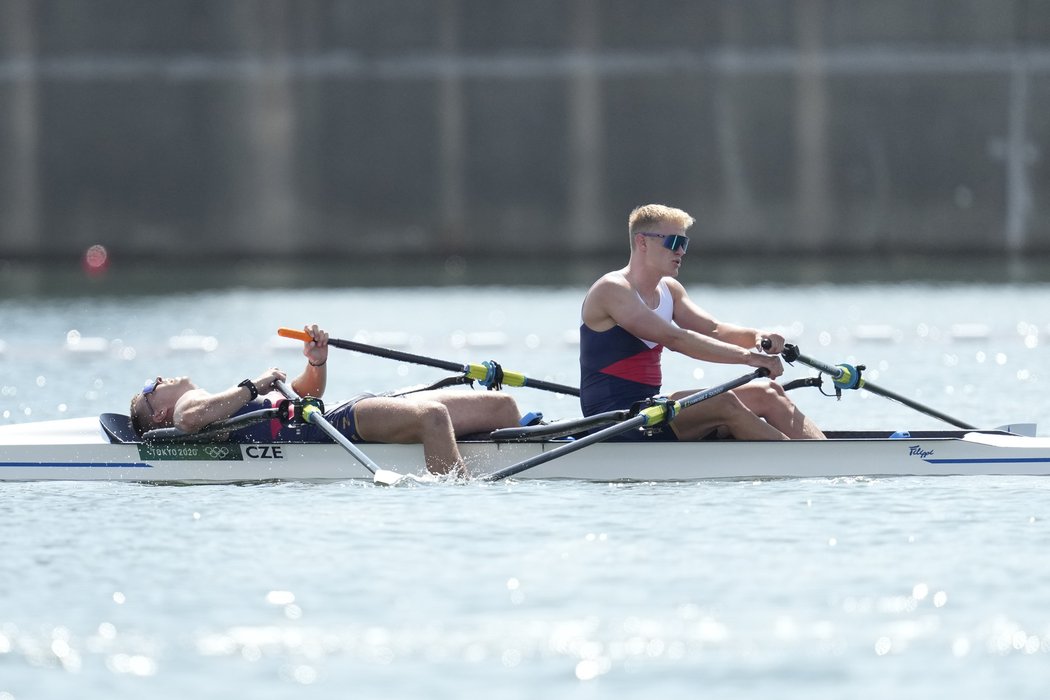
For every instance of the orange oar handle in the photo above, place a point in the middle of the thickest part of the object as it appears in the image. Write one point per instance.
(292, 333)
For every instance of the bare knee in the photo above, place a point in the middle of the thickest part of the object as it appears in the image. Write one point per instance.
(727, 409)
(503, 410)
(474, 413)
(770, 397)
(729, 404)
(432, 416)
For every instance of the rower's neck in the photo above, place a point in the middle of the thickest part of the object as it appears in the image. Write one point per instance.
(644, 281)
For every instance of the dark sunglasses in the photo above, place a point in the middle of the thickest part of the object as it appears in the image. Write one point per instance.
(671, 242)
(150, 387)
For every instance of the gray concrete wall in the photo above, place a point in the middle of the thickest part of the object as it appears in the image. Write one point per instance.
(281, 127)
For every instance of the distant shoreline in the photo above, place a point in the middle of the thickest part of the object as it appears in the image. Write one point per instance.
(67, 277)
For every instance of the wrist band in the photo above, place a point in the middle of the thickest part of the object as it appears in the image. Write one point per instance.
(319, 364)
(250, 386)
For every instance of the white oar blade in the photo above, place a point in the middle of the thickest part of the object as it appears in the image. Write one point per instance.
(385, 477)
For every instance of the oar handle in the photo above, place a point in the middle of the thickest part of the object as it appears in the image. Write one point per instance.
(480, 372)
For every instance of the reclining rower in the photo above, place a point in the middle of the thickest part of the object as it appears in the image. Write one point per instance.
(432, 418)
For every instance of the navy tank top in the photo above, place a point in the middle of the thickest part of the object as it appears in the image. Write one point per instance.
(617, 368)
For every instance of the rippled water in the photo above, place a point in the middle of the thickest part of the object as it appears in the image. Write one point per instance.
(787, 588)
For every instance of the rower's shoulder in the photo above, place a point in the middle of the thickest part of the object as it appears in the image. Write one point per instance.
(673, 284)
(675, 288)
(606, 296)
(617, 279)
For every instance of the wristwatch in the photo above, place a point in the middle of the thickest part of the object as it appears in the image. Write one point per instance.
(250, 386)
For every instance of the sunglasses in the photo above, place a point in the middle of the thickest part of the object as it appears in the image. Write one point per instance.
(150, 387)
(671, 242)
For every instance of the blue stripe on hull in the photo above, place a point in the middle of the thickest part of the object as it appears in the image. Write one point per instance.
(1004, 460)
(101, 465)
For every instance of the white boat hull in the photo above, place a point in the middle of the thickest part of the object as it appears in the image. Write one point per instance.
(78, 450)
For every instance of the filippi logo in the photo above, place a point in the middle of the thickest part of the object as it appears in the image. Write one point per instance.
(917, 451)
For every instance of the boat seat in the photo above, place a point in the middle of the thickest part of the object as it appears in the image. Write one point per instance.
(118, 428)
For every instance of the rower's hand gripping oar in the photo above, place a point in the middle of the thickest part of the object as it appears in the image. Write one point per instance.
(313, 414)
(663, 411)
(849, 377)
(488, 374)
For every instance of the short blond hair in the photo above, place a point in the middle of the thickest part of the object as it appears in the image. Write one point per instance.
(648, 214)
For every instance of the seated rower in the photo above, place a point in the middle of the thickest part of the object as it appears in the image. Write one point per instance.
(630, 315)
(432, 418)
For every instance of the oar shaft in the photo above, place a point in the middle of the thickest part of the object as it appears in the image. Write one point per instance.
(312, 414)
(831, 370)
(561, 428)
(837, 372)
(914, 405)
(721, 388)
(654, 415)
(378, 351)
(474, 371)
(578, 444)
(396, 355)
(548, 386)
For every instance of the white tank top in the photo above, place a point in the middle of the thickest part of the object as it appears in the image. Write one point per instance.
(664, 308)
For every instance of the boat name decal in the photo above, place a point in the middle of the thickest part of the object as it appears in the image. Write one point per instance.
(201, 453)
(917, 451)
(264, 451)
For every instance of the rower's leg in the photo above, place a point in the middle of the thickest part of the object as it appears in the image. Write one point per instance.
(770, 401)
(725, 410)
(475, 411)
(409, 420)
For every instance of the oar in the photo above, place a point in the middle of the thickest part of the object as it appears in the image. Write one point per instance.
(487, 374)
(849, 377)
(312, 414)
(648, 417)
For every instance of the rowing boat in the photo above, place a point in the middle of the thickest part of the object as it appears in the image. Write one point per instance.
(104, 449)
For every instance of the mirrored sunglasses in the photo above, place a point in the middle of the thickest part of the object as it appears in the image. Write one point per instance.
(671, 242)
(148, 389)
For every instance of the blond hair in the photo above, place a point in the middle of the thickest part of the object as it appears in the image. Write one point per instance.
(649, 214)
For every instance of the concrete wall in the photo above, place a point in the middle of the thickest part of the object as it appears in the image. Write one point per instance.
(531, 127)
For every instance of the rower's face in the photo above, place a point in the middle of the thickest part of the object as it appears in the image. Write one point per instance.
(162, 393)
(667, 247)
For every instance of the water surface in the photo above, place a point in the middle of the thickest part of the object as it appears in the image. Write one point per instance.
(908, 587)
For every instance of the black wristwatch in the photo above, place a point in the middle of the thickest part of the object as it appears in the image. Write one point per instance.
(250, 386)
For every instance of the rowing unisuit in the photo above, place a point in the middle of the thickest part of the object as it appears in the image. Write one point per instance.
(342, 417)
(618, 368)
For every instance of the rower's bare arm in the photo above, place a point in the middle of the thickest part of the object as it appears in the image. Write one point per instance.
(631, 314)
(314, 378)
(688, 315)
(311, 382)
(198, 408)
(612, 302)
